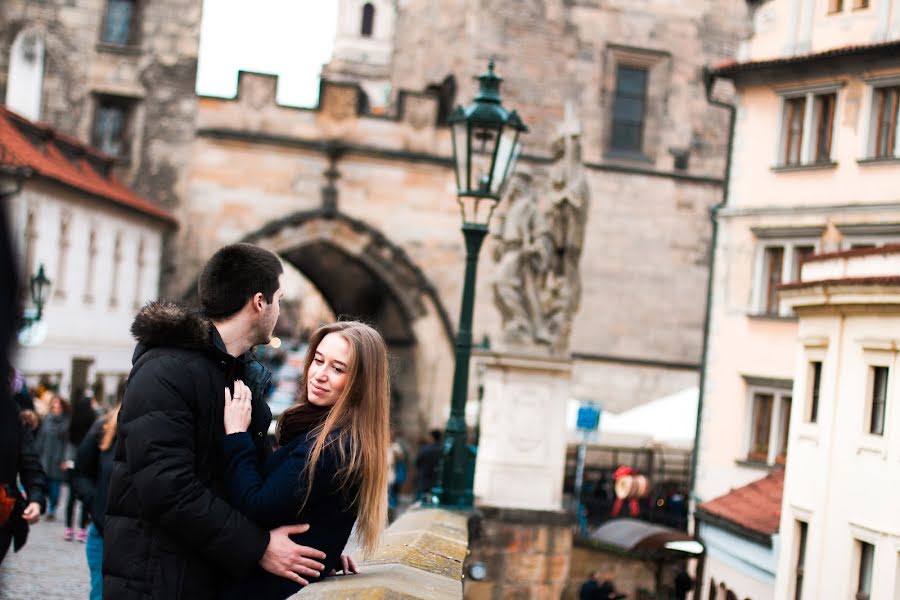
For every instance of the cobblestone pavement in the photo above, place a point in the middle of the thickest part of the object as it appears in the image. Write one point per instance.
(47, 568)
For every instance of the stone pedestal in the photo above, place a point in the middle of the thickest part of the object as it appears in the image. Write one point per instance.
(522, 442)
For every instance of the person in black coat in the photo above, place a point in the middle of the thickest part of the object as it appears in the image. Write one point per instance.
(19, 460)
(426, 463)
(331, 468)
(169, 532)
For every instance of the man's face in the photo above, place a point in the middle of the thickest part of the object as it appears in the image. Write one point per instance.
(269, 316)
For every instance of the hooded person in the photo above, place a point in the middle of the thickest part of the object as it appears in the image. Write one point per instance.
(169, 532)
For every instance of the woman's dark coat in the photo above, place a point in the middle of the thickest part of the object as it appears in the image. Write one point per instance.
(169, 533)
(52, 444)
(19, 459)
(272, 493)
(93, 468)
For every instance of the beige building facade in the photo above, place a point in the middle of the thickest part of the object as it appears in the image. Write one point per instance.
(814, 156)
(841, 538)
(362, 201)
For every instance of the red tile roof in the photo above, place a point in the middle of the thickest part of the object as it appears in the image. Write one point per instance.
(48, 153)
(756, 507)
(731, 67)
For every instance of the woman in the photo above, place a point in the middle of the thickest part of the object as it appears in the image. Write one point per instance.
(52, 440)
(83, 418)
(90, 482)
(331, 468)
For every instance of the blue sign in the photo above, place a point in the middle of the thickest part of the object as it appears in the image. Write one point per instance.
(588, 417)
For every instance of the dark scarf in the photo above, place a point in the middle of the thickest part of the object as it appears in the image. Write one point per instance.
(300, 420)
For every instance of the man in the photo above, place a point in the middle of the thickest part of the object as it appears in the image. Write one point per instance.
(169, 533)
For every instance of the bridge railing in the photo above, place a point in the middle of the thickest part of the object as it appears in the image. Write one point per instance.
(420, 557)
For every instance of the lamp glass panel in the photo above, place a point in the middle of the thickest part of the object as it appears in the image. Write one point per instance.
(505, 151)
(476, 209)
(460, 154)
(484, 141)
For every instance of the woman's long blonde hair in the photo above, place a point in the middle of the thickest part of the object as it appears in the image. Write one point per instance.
(109, 429)
(360, 419)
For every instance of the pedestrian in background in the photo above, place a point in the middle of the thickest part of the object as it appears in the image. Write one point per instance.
(84, 414)
(19, 461)
(90, 482)
(52, 441)
(426, 463)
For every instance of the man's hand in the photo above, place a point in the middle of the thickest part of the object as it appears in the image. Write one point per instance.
(289, 560)
(32, 513)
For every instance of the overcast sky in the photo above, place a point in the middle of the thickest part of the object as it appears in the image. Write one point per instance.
(289, 38)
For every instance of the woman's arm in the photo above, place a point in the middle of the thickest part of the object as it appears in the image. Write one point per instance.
(269, 501)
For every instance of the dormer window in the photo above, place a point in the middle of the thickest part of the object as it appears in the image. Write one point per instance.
(368, 20)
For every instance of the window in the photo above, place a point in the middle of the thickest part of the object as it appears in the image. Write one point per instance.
(89, 273)
(112, 121)
(762, 425)
(774, 260)
(885, 111)
(860, 4)
(119, 24)
(629, 109)
(801, 530)
(877, 399)
(770, 419)
(779, 262)
(784, 425)
(813, 113)
(835, 6)
(62, 256)
(139, 275)
(795, 109)
(117, 262)
(864, 579)
(368, 20)
(815, 383)
(824, 106)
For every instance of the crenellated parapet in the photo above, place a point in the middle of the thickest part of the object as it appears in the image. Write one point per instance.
(341, 116)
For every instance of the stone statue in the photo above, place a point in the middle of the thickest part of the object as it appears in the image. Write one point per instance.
(523, 252)
(538, 285)
(567, 216)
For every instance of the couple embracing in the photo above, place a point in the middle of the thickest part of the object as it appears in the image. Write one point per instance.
(198, 506)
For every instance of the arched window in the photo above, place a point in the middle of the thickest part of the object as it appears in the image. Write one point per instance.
(368, 19)
(24, 86)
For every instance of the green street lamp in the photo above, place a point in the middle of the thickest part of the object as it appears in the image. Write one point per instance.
(39, 287)
(486, 146)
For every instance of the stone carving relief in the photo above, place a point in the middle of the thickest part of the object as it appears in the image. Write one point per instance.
(538, 284)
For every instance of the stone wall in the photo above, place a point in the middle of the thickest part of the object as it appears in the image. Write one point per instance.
(631, 575)
(420, 558)
(155, 73)
(526, 554)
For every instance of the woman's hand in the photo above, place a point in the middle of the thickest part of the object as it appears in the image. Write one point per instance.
(238, 409)
(348, 566)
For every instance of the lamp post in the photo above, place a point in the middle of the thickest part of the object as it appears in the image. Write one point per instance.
(486, 146)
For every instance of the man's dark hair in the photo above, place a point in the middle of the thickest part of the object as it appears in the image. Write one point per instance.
(436, 435)
(235, 274)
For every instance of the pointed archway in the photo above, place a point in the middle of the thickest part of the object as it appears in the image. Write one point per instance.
(362, 274)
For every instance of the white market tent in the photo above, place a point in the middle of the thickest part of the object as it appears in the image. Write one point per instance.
(668, 421)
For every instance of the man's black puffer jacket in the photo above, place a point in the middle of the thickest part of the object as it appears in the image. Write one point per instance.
(169, 533)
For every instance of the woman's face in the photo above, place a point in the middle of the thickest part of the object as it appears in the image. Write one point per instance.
(327, 373)
(56, 407)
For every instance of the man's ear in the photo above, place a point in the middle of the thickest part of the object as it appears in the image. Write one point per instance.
(258, 301)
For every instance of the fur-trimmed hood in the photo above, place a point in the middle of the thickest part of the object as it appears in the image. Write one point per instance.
(165, 323)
